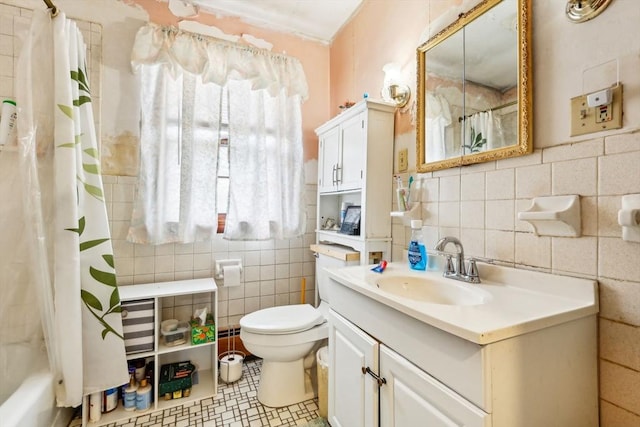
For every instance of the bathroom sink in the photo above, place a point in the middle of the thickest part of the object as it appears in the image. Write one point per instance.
(509, 302)
(430, 291)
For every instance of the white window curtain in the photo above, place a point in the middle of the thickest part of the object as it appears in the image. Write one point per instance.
(265, 165)
(176, 200)
(183, 77)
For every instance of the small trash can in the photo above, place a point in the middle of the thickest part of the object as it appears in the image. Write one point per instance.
(322, 357)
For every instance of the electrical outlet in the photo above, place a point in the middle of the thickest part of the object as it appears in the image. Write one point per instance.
(403, 160)
(585, 119)
(603, 113)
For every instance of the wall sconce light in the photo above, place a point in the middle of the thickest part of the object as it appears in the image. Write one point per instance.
(394, 90)
(584, 10)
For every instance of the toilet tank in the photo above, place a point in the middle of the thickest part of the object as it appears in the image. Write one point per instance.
(331, 256)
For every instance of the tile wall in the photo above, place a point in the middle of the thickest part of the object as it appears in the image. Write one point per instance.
(479, 204)
(272, 270)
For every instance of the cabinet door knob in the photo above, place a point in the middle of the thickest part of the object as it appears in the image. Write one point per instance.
(380, 380)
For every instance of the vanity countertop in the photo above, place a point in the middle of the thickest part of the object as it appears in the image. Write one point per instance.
(512, 301)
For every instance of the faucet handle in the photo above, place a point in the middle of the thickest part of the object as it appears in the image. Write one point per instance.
(449, 268)
(472, 271)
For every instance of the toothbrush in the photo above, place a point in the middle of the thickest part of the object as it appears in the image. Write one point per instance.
(402, 201)
(409, 191)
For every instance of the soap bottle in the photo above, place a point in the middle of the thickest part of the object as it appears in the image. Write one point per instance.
(130, 392)
(417, 251)
(143, 396)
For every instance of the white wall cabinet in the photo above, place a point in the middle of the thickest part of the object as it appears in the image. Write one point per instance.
(341, 150)
(200, 293)
(355, 165)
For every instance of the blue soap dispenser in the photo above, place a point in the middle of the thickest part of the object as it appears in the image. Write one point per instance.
(417, 251)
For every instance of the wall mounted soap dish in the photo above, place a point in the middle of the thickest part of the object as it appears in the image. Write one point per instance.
(554, 216)
(629, 217)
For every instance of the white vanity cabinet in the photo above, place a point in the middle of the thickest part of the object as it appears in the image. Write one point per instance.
(412, 398)
(353, 396)
(355, 166)
(370, 380)
(386, 363)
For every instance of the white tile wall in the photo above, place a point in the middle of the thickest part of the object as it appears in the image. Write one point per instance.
(600, 170)
(272, 274)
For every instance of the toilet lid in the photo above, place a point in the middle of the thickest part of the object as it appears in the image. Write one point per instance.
(282, 320)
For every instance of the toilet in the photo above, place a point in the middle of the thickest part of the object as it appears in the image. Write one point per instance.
(286, 338)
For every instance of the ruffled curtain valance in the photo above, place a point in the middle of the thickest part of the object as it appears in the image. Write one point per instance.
(217, 61)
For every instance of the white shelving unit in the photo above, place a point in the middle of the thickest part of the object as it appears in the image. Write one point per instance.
(203, 356)
(355, 166)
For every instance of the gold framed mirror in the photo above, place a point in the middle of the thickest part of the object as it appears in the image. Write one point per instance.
(474, 88)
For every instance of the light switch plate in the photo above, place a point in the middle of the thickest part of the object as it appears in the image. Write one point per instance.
(585, 119)
(403, 160)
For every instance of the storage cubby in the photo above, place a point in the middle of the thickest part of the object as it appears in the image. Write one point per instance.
(177, 299)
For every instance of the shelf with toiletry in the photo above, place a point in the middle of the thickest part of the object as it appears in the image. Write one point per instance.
(164, 348)
(354, 192)
(407, 208)
(408, 215)
(167, 326)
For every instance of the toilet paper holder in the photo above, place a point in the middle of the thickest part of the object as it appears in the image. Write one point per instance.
(219, 265)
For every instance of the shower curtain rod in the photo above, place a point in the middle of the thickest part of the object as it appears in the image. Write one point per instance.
(508, 104)
(50, 5)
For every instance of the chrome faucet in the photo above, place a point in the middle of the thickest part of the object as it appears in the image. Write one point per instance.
(458, 271)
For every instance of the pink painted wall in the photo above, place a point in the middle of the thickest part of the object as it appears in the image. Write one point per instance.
(471, 203)
(380, 33)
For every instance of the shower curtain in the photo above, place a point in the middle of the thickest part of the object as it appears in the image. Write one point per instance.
(71, 251)
(482, 131)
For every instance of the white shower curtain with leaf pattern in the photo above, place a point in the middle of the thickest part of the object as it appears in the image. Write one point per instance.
(72, 255)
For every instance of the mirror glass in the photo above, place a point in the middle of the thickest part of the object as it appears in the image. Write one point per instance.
(474, 100)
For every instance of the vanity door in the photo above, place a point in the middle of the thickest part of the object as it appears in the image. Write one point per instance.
(412, 398)
(353, 394)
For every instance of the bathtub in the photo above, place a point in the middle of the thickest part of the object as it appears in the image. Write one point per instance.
(33, 404)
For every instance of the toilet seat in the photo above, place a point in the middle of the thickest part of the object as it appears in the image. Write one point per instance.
(288, 319)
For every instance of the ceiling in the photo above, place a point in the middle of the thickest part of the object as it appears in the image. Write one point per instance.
(318, 20)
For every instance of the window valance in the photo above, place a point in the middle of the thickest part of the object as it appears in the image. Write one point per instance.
(218, 61)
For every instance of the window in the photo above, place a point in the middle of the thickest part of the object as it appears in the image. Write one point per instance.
(221, 140)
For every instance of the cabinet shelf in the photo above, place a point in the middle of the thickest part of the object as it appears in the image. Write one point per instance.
(203, 356)
(341, 192)
(164, 349)
(199, 391)
(141, 355)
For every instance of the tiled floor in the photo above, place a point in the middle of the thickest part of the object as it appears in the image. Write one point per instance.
(236, 405)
